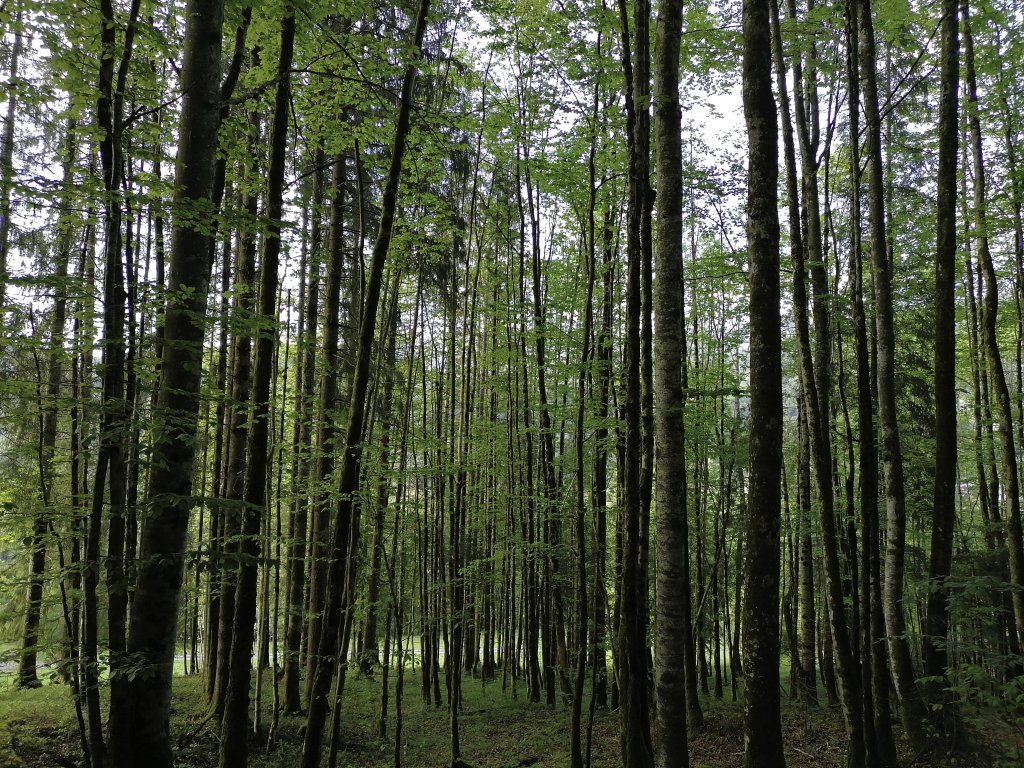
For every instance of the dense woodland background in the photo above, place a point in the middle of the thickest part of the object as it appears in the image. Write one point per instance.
(453, 345)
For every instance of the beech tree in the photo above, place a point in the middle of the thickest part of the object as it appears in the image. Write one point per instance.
(139, 723)
(762, 724)
(673, 619)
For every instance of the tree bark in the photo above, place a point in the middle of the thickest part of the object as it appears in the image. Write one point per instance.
(762, 714)
(305, 393)
(935, 626)
(326, 435)
(807, 682)
(911, 708)
(139, 724)
(233, 497)
(234, 744)
(7, 161)
(27, 674)
(632, 673)
(673, 623)
(989, 338)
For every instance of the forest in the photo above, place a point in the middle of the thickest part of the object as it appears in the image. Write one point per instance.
(505, 383)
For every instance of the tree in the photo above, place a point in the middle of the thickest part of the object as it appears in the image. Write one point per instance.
(762, 715)
(875, 658)
(48, 475)
(814, 385)
(139, 727)
(7, 160)
(891, 452)
(632, 640)
(936, 621)
(673, 623)
(234, 744)
(350, 472)
(989, 338)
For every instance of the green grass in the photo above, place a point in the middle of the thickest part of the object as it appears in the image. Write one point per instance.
(34, 725)
(498, 730)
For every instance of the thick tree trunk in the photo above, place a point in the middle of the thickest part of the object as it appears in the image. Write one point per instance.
(673, 624)
(139, 724)
(762, 714)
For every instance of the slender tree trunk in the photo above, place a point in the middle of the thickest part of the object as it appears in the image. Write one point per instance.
(298, 528)
(27, 675)
(7, 160)
(632, 630)
(350, 474)
(989, 338)
(114, 422)
(602, 384)
(582, 608)
(936, 622)
(911, 707)
(238, 432)
(805, 673)
(326, 435)
(817, 418)
(234, 730)
(868, 454)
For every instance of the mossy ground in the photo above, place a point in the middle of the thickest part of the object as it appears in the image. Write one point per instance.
(499, 730)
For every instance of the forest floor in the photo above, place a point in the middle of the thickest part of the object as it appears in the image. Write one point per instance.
(498, 730)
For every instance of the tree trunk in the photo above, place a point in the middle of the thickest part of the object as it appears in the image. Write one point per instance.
(139, 725)
(876, 659)
(602, 385)
(298, 528)
(762, 714)
(989, 338)
(911, 708)
(673, 624)
(238, 432)
(326, 435)
(7, 161)
(817, 418)
(807, 682)
(350, 474)
(27, 675)
(234, 745)
(632, 630)
(935, 626)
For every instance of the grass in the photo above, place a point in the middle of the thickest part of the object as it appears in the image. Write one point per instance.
(35, 725)
(498, 730)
